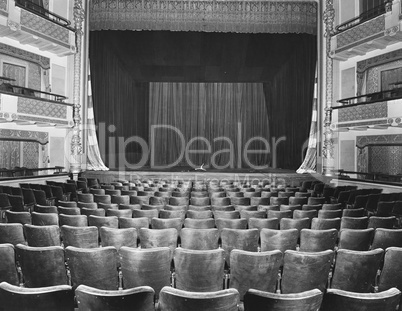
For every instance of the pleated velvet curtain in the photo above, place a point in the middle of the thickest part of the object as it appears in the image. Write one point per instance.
(120, 107)
(289, 97)
(208, 123)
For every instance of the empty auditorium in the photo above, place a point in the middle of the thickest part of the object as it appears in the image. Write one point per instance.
(201, 155)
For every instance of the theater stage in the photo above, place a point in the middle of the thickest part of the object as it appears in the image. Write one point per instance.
(271, 175)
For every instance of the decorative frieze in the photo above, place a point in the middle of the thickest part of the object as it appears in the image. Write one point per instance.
(42, 61)
(391, 139)
(363, 112)
(32, 106)
(40, 137)
(361, 32)
(44, 26)
(254, 16)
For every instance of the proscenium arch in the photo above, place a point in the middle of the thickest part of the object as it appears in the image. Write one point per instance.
(113, 14)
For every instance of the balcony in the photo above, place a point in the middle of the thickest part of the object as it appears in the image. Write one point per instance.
(28, 23)
(370, 111)
(26, 106)
(370, 31)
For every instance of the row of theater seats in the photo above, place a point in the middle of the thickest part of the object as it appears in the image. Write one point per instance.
(347, 196)
(384, 213)
(199, 271)
(149, 201)
(63, 298)
(247, 234)
(133, 194)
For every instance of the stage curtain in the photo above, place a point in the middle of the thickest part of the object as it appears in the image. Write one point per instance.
(309, 164)
(120, 107)
(223, 116)
(94, 158)
(289, 97)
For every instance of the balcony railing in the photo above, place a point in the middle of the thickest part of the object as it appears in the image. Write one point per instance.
(24, 171)
(371, 98)
(374, 176)
(41, 11)
(365, 16)
(24, 91)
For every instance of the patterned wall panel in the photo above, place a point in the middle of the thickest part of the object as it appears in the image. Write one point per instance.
(9, 154)
(32, 106)
(31, 154)
(43, 26)
(364, 112)
(385, 159)
(373, 81)
(3, 5)
(362, 160)
(379, 153)
(361, 32)
(34, 81)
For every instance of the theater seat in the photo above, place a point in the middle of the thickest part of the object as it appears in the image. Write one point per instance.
(150, 266)
(199, 270)
(335, 300)
(172, 299)
(59, 297)
(139, 299)
(8, 268)
(96, 267)
(42, 266)
(257, 270)
(256, 300)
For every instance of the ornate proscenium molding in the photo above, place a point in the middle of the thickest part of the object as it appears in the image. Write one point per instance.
(76, 142)
(328, 144)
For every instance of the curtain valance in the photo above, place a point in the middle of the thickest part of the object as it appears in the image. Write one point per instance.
(205, 15)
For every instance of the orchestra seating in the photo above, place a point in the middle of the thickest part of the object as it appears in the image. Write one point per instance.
(181, 245)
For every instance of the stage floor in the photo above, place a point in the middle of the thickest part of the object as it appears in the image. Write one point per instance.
(271, 175)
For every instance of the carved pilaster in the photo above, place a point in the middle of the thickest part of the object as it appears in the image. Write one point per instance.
(328, 144)
(76, 139)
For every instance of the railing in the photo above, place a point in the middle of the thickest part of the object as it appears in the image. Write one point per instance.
(371, 98)
(24, 91)
(24, 171)
(39, 10)
(365, 16)
(6, 79)
(374, 176)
